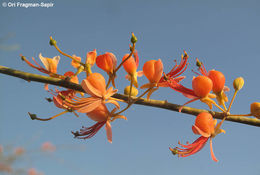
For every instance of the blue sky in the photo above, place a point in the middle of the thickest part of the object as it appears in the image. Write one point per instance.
(222, 34)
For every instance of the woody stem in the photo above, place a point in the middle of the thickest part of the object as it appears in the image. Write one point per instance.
(141, 101)
(245, 115)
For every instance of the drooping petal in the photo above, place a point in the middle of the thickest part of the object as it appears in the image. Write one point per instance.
(211, 151)
(108, 131)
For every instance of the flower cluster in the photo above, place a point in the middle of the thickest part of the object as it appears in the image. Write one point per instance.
(100, 105)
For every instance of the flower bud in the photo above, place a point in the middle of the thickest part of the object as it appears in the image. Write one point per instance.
(255, 109)
(133, 93)
(133, 38)
(238, 83)
(52, 41)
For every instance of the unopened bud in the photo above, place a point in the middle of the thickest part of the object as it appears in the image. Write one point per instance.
(255, 109)
(198, 63)
(133, 38)
(133, 93)
(52, 41)
(238, 83)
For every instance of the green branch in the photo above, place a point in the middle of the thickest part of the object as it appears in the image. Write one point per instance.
(153, 103)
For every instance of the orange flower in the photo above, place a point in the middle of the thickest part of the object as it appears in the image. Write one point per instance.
(102, 116)
(201, 87)
(107, 62)
(218, 80)
(91, 57)
(50, 66)
(130, 66)
(153, 71)
(207, 128)
(74, 63)
(95, 86)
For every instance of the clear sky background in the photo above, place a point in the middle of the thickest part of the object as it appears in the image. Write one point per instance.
(223, 34)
